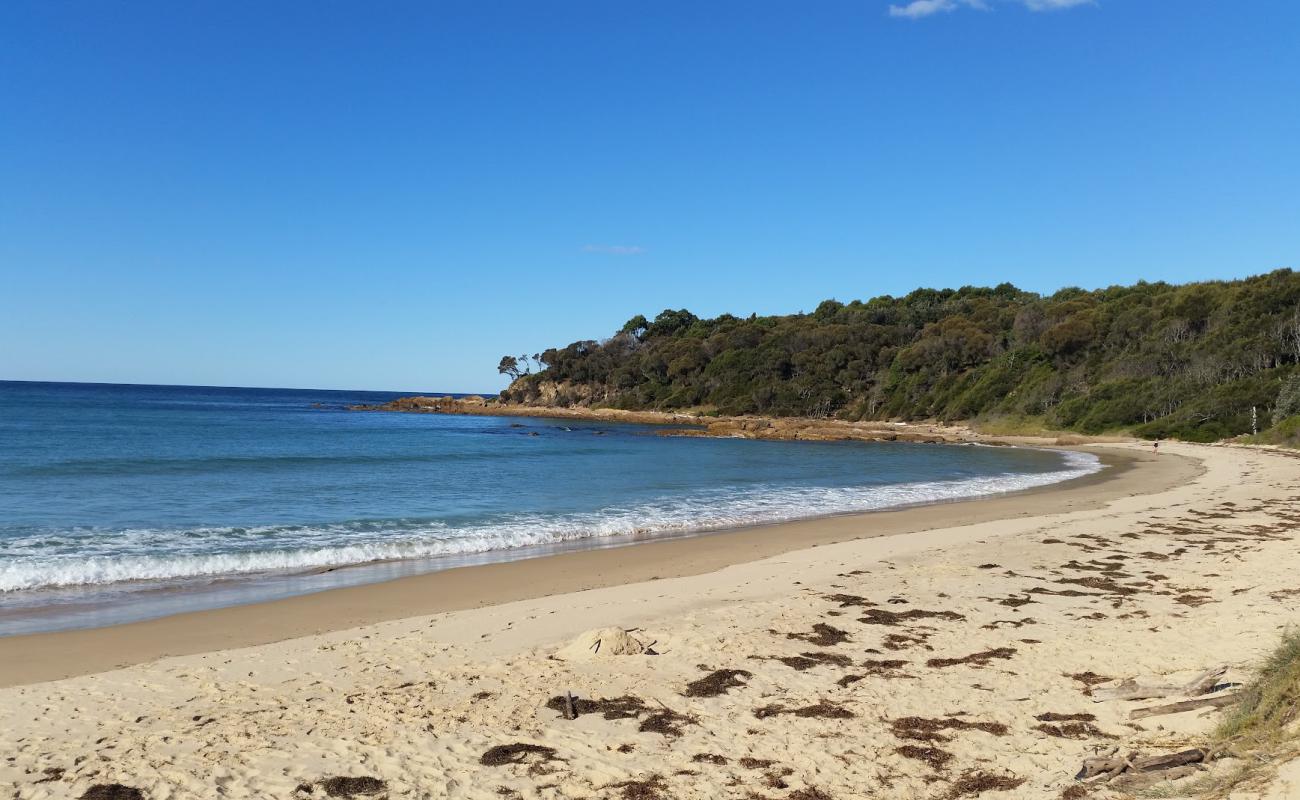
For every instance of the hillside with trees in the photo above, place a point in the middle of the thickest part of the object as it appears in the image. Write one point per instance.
(1199, 361)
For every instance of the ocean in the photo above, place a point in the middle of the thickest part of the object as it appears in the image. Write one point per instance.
(124, 502)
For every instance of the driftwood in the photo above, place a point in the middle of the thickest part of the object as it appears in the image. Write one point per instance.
(570, 707)
(1141, 780)
(1136, 771)
(1130, 690)
(1213, 701)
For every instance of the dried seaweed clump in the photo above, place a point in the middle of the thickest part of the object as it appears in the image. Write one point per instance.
(651, 788)
(822, 635)
(516, 753)
(932, 756)
(823, 709)
(975, 783)
(625, 707)
(665, 723)
(112, 791)
(717, 683)
(880, 616)
(805, 661)
(363, 786)
(981, 659)
(922, 729)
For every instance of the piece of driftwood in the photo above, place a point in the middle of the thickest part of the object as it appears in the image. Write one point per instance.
(1111, 765)
(1212, 701)
(1130, 690)
(1168, 761)
(1130, 781)
(570, 707)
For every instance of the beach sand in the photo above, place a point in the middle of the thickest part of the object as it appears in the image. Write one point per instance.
(896, 654)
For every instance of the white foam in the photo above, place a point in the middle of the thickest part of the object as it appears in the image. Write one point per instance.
(87, 558)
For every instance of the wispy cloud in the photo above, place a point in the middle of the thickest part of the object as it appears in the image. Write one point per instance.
(1052, 5)
(614, 249)
(924, 8)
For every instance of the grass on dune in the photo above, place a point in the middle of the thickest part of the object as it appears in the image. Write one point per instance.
(1269, 703)
(1260, 731)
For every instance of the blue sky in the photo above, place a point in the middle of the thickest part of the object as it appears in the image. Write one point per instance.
(393, 195)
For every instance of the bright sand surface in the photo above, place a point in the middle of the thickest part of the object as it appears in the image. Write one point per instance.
(1155, 570)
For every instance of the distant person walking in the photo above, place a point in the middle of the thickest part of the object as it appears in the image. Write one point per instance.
(1155, 447)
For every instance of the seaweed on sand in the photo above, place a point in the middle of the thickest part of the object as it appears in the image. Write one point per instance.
(716, 683)
(822, 635)
(975, 783)
(880, 616)
(516, 753)
(932, 756)
(923, 729)
(363, 786)
(112, 791)
(651, 788)
(980, 659)
(823, 709)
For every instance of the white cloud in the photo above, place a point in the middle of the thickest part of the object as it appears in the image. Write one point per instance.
(614, 249)
(924, 8)
(1052, 5)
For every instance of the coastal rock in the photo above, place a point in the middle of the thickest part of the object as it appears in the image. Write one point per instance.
(602, 642)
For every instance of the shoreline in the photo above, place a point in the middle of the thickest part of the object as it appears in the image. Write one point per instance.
(982, 649)
(36, 657)
(738, 427)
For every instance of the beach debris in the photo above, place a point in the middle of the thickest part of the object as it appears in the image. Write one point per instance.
(935, 758)
(879, 616)
(980, 659)
(922, 729)
(822, 635)
(112, 791)
(1130, 690)
(805, 661)
(847, 600)
(663, 721)
(974, 783)
(666, 723)
(808, 793)
(602, 642)
(884, 668)
(709, 758)
(822, 709)
(1071, 726)
(1212, 701)
(716, 683)
(651, 788)
(625, 707)
(1134, 772)
(516, 753)
(363, 786)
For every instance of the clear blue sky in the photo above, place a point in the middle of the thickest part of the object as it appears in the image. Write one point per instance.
(392, 195)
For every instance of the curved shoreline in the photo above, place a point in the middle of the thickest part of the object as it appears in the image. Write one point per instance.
(40, 657)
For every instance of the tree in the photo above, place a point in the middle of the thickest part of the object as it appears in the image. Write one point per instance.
(637, 326)
(509, 366)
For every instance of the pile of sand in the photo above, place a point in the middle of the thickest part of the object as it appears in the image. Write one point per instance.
(601, 642)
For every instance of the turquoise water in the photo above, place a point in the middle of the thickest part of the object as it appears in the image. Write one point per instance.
(117, 500)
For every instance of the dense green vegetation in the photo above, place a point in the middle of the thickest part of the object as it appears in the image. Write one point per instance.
(1192, 362)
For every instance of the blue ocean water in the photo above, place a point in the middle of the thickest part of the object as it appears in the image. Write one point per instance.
(109, 493)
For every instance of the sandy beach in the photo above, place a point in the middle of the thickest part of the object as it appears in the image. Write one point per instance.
(935, 652)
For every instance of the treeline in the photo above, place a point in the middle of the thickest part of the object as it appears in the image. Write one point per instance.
(1199, 361)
